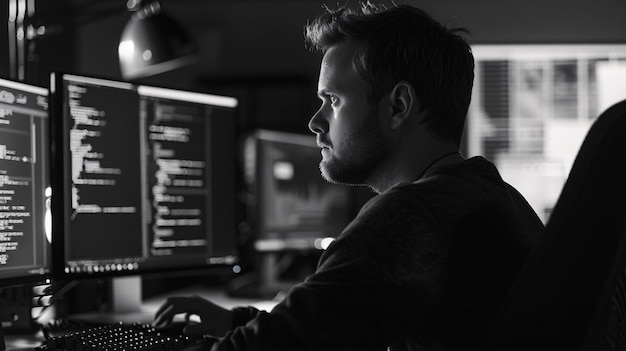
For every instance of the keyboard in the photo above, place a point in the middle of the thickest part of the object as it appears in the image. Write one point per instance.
(125, 337)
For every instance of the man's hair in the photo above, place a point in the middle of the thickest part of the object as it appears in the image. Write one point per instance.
(404, 43)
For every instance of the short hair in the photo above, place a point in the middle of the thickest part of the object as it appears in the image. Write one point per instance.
(404, 43)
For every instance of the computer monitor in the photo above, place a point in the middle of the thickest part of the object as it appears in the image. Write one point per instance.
(24, 184)
(296, 208)
(24, 200)
(292, 210)
(144, 180)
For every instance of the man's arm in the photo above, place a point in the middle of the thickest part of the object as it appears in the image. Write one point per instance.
(378, 280)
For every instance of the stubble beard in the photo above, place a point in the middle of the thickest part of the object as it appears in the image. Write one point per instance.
(360, 156)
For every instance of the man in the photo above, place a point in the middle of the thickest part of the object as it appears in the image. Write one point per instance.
(425, 264)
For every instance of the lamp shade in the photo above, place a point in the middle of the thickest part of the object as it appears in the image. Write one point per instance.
(153, 43)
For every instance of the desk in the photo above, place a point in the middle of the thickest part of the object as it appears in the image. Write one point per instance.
(215, 295)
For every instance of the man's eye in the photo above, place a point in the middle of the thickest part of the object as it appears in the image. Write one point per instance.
(333, 99)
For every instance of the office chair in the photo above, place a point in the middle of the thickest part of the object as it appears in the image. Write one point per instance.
(571, 292)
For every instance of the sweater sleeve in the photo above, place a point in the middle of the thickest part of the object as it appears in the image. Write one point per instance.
(381, 277)
(243, 314)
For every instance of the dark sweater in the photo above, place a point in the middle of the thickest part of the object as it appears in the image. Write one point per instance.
(423, 266)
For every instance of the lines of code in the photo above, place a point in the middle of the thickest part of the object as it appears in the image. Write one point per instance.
(22, 183)
(177, 176)
(106, 190)
(15, 190)
(139, 183)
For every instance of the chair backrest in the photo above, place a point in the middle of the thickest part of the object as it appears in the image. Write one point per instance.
(571, 292)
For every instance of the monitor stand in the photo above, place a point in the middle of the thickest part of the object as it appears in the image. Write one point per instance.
(125, 295)
(124, 304)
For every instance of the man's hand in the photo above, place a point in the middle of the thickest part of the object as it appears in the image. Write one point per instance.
(214, 320)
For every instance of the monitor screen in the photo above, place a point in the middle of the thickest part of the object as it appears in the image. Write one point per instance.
(24, 184)
(293, 214)
(145, 180)
(295, 208)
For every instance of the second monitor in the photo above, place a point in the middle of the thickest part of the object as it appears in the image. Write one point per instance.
(293, 213)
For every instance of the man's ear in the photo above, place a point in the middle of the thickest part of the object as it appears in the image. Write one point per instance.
(403, 101)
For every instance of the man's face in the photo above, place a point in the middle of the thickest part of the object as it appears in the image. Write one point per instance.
(347, 124)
